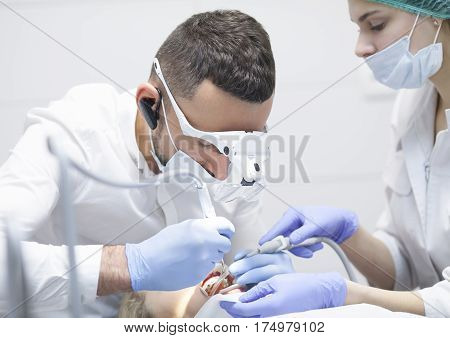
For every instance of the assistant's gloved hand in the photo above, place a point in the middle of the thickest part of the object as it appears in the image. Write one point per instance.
(258, 268)
(302, 223)
(180, 255)
(289, 293)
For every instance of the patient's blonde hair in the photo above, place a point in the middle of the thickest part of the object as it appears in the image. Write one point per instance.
(133, 306)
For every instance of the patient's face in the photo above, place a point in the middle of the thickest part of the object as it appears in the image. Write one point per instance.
(177, 304)
(187, 302)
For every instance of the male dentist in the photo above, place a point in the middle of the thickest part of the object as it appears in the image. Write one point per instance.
(214, 73)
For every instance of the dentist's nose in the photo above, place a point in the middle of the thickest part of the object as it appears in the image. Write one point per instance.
(219, 166)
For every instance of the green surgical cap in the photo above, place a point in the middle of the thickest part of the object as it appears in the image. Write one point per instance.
(435, 8)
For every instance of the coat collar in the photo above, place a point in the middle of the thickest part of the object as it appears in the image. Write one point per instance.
(413, 123)
(411, 105)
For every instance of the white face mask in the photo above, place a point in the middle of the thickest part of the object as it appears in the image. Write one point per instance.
(247, 154)
(397, 68)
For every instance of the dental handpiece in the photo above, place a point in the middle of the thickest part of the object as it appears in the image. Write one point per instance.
(279, 244)
(282, 243)
(275, 245)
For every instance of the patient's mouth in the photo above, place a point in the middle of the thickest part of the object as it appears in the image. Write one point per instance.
(213, 283)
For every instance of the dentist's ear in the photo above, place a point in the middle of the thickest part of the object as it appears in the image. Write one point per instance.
(148, 99)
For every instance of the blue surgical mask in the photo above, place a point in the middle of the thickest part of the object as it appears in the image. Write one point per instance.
(397, 68)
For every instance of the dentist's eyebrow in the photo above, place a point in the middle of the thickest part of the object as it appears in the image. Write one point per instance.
(363, 18)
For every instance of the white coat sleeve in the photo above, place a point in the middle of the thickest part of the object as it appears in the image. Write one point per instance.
(28, 194)
(437, 298)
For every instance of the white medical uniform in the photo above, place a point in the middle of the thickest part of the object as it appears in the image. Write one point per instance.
(96, 127)
(416, 224)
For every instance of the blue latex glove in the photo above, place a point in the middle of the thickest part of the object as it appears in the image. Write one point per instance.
(302, 223)
(290, 293)
(258, 268)
(180, 255)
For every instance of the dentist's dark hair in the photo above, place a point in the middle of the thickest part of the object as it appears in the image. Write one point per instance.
(228, 47)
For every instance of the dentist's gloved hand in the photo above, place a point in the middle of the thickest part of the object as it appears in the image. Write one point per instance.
(300, 224)
(290, 293)
(261, 267)
(180, 255)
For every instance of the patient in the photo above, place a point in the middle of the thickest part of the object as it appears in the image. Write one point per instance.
(185, 303)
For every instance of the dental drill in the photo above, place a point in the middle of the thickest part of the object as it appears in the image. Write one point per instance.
(281, 243)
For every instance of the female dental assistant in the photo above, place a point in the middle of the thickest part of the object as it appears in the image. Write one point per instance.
(406, 43)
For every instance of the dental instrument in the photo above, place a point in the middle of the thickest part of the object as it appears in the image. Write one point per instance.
(281, 243)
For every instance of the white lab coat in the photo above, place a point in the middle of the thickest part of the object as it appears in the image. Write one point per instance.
(416, 223)
(96, 127)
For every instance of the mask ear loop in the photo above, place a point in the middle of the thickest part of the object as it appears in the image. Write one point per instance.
(167, 124)
(438, 32)
(414, 27)
(153, 151)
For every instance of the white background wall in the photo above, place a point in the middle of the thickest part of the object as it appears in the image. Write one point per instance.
(313, 42)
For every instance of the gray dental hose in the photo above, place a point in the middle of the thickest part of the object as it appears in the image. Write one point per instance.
(345, 261)
(281, 243)
(69, 226)
(16, 274)
(68, 218)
